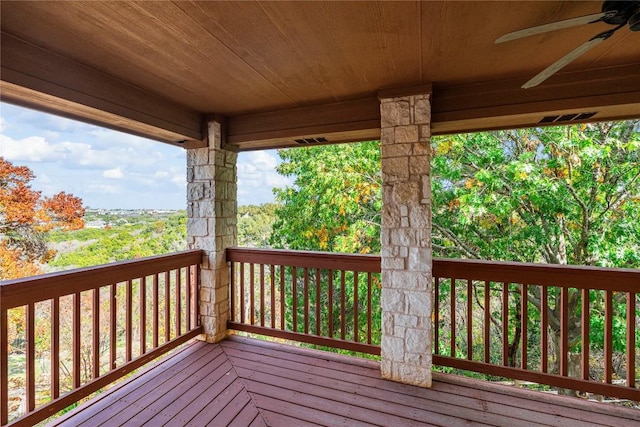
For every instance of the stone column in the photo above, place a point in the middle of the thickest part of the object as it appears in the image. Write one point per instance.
(211, 226)
(406, 238)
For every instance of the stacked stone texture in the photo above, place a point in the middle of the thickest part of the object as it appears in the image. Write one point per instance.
(406, 239)
(211, 226)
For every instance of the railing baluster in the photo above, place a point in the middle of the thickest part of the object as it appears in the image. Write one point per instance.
(4, 366)
(343, 305)
(511, 277)
(95, 351)
(143, 315)
(524, 300)
(318, 302)
(544, 328)
(81, 293)
(584, 320)
(178, 301)
(487, 324)
(469, 320)
(234, 288)
(242, 295)
(355, 306)
(452, 310)
(272, 280)
(436, 316)
(608, 336)
(155, 311)
(631, 339)
(31, 356)
(564, 331)
(252, 296)
(261, 294)
(505, 323)
(196, 281)
(55, 347)
(306, 300)
(188, 289)
(167, 307)
(76, 340)
(369, 308)
(330, 290)
(128, 320)
(294, 297)
(112, 325)
(282, 299)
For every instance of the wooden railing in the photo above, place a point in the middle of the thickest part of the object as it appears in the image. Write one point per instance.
(89, 327)
(569, 327)
(514, 320)
(319, 298)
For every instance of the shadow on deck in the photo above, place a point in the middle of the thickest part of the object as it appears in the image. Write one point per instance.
(247, 382)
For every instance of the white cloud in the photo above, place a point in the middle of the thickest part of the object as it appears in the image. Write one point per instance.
(111, 169)
(257, 176)
(113, 174)
(104, 189)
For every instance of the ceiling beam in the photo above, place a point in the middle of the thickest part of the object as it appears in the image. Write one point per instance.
(37, 78)
(348, 121)
(612, 94)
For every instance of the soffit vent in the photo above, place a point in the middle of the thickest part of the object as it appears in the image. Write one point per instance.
(311, 140)
(573, 117)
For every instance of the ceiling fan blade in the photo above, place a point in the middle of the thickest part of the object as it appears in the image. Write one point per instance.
(564, 61)
(567, 23)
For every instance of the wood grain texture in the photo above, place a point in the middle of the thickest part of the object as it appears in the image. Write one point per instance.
(156, 68)
(244, 382)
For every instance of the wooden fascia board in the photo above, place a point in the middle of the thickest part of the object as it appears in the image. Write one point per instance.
(612, 93)
(38, 78)
(348, 121)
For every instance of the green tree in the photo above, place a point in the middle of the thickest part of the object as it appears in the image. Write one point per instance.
(334, 205)
(558, 195)
(254, 224)
(335, 202)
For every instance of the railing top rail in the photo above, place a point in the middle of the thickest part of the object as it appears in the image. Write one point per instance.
(310, 259)
(573, 276)
(14, 293)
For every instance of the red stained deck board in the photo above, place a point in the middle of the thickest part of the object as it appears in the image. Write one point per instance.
(373, 393)
(246, 382)
(133, 408)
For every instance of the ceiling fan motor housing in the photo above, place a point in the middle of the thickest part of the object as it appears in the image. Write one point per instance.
(627, 10)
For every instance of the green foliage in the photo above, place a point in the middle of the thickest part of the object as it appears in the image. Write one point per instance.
(559, 195)
(335, 202)
(139, 237)
(334, 205)
(254, 224)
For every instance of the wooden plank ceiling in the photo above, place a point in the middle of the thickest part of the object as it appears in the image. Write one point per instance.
(280, 71)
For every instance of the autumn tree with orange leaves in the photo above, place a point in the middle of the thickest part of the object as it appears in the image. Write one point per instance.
(25, 218)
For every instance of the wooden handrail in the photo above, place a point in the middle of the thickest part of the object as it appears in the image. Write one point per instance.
(18, 292)
(569, 276)
(327, 296)
(511, 282)
(88, 290)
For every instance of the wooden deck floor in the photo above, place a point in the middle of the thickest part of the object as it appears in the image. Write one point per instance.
(246, 382)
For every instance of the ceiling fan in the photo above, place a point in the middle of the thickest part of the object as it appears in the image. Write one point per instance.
(614, 12)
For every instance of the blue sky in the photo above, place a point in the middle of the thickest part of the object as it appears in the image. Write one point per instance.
(110, 169)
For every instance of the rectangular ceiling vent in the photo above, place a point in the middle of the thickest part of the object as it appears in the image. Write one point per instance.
(574, 117)
(311, 140)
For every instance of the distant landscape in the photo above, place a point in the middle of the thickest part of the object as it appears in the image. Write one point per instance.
(112, 235)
